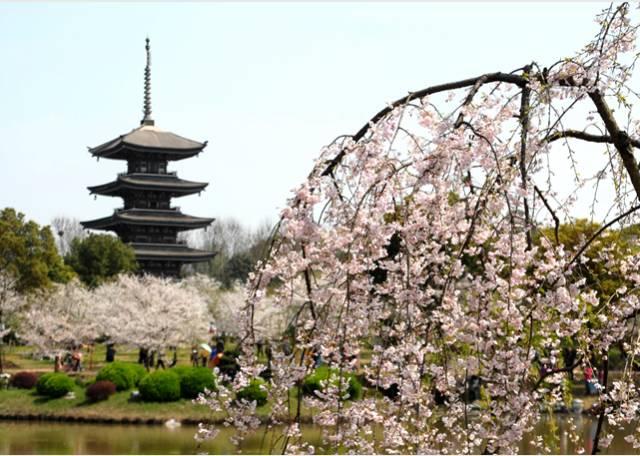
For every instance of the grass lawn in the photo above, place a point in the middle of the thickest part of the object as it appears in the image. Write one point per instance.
(16, 402)
(20, 358)
(118, 406)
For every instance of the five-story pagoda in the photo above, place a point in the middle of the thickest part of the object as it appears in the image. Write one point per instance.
(147, 221)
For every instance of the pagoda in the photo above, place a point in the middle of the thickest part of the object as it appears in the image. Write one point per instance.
(147, 221)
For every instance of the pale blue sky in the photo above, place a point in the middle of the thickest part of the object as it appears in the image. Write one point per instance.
(267, 84)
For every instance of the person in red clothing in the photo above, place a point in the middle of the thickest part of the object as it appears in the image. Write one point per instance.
(219, 353)
(589, 381)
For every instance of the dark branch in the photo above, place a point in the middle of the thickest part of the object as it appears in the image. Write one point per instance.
(556, 371)
(599, 232)
(596, 437)
(579, 135)
(621, 139)
(524, 127)
(556, 220)
(586, 137)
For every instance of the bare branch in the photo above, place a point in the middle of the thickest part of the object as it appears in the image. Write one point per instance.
(524, 127)
(621, 139)
(596, 437)
(586, 137)
(556, 220)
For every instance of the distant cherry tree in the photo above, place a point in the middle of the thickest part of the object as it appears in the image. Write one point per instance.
(227, 308)
(12, 304)
(60, 319)
(151, 312)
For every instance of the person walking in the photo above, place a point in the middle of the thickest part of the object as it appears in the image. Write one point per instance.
(161, 356)
(219, 353)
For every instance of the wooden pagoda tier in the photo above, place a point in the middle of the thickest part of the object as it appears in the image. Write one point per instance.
(147, 221)
(166, 259)
(128, 185)
(123, 218)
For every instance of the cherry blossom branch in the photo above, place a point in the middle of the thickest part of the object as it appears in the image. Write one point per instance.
(599, 232)
(488, 78)
(557, 371)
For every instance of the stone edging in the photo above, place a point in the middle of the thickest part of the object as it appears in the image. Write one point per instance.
(97, 420)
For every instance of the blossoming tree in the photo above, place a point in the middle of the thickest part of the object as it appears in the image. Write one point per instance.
(151, 312)
(11, 304)
(227, 307)
(60, 318)
(417, 243)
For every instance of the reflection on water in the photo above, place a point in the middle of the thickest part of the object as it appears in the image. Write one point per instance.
(63, 438)
(559, 442)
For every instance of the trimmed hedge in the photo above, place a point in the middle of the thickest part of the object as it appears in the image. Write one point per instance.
(194, 380)
(124, 375)
(54, 384)
(254, 391)
(160, 386)
(24, 380)
(139, 372)
(181, 370)
(100, 391)
(314, 381)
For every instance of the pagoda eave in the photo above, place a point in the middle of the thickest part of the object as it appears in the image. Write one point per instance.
(171, 185)
(124, 152)
(169, 218)
(170, 252)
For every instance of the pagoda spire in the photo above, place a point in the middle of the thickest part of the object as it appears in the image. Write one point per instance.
(147, 120)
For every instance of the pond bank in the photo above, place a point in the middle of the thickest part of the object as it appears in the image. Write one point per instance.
(25, 405)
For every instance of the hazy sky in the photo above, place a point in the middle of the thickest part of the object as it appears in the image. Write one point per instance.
(267, 84)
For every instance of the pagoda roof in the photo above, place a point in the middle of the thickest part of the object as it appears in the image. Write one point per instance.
(142, 181)
(170, 252)
(152, 217)
(148, 139)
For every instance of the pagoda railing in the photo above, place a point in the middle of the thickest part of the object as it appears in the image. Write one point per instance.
(147, 209)
(170, 173)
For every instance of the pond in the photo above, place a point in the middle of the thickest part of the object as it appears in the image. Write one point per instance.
(21, 437)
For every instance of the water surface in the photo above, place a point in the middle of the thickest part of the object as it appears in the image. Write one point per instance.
(21, 437)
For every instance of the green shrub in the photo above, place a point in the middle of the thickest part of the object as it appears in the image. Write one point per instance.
(181, 371)
(254, 391)
(139, 372)
(194, 380)
(54, 384)
(124, 375)
(315, 381)
(160, 386)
